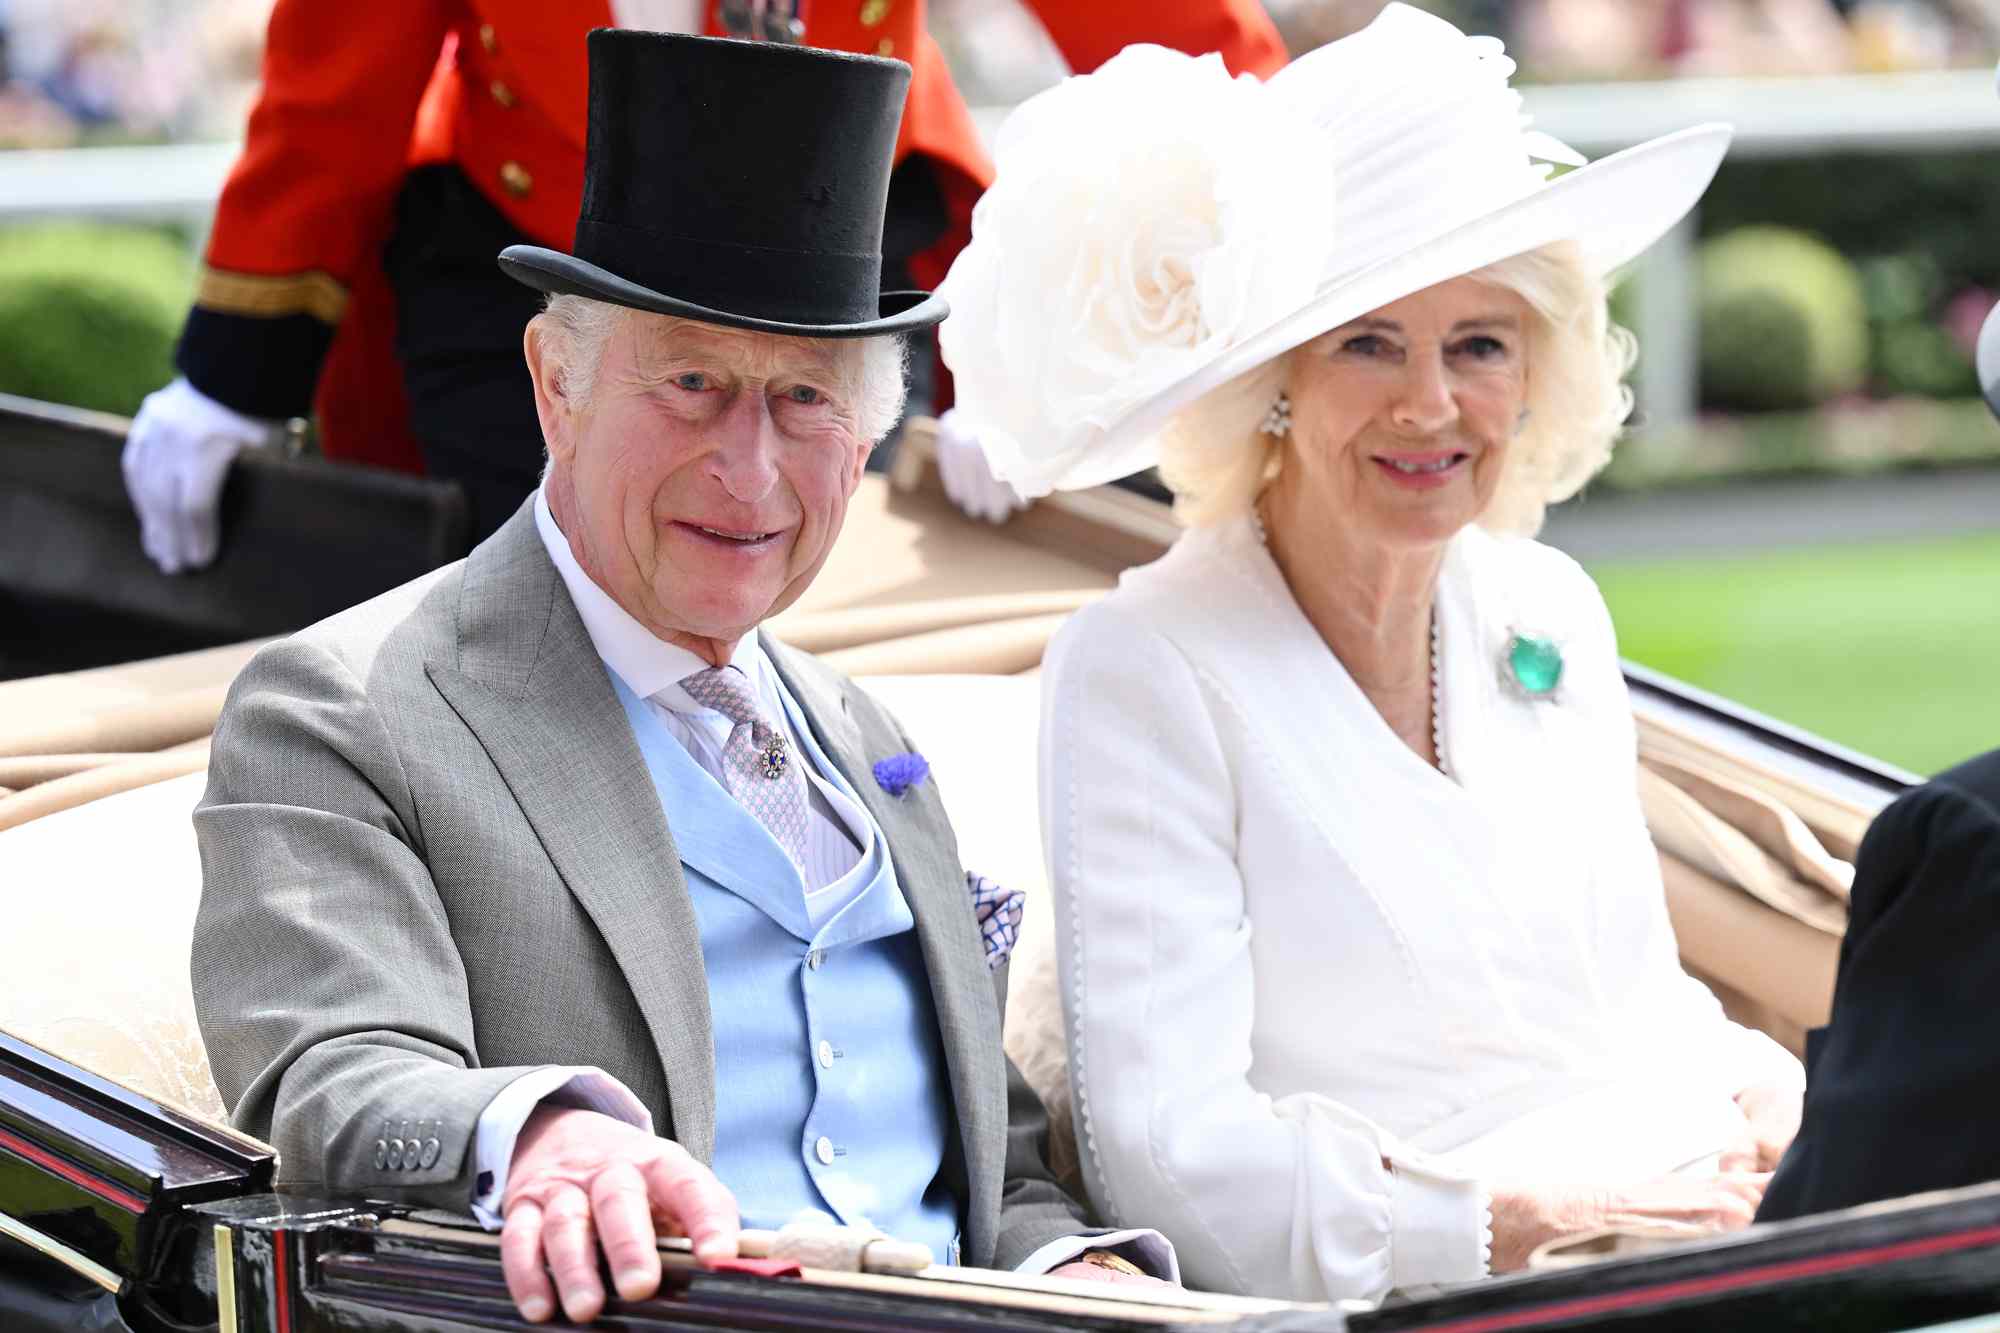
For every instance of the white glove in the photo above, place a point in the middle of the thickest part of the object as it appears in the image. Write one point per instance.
(967, 479)
(175, 460)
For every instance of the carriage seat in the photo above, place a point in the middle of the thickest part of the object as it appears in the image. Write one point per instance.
(103, 896)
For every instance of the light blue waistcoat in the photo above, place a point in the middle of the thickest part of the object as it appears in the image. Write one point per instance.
(826, 1044)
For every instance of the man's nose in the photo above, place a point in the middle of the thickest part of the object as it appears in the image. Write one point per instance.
(745, 460)
(1427, 403)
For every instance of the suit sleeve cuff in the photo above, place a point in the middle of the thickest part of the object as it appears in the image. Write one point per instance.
(583, 1087)
(1149, 1250)
(1441, 1227)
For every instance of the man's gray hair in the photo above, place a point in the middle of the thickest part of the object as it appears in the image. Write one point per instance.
(584, 325)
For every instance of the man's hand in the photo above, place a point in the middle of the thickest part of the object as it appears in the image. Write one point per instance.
(1089, 1272)
(1773, 1111)
(580, 1182)
(175, 461)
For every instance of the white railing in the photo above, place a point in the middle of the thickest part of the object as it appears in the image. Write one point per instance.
(1789, 117)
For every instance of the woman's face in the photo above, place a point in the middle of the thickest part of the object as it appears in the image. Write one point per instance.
(1402, 418)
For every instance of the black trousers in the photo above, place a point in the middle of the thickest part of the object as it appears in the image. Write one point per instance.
(460, 320)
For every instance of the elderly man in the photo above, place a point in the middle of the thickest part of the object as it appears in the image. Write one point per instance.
(547, 886)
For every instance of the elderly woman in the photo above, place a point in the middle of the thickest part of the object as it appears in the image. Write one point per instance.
(1365, 960)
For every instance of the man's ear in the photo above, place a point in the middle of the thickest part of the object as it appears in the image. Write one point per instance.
(553, 406)
(860, 467)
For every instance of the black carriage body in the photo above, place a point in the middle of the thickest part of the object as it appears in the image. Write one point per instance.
(97, 1184)
(304, 538)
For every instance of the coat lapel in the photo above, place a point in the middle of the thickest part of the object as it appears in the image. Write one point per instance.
(925, 855)
(529, 684)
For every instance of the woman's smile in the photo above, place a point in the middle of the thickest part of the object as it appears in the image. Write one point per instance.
(1422, 471)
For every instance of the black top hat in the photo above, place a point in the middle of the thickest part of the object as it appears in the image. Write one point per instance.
(737, 183)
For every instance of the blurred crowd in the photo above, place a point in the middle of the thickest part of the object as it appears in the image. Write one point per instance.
(87, 71)
(94, 71)
(1581, 40)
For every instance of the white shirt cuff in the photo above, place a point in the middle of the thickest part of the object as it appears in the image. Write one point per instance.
(1148, 1249)
(1441, 1227)
(584, 1087)
(195, 412)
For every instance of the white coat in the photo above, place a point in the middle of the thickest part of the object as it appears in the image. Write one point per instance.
(1320, 997)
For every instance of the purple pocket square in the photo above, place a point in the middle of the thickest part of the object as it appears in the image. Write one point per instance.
(998, 910)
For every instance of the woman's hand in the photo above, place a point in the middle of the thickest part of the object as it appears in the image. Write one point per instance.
(1772, 1110)
(1696, 1204)
(1524, 1219)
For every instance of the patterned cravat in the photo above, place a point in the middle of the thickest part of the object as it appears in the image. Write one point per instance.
(758, 767)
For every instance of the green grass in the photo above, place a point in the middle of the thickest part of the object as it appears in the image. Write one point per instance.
(1892, 649)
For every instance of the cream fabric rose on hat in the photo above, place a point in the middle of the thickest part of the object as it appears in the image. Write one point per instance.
(1145, 217)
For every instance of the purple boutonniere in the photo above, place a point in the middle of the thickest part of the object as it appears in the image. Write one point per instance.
(900, 772)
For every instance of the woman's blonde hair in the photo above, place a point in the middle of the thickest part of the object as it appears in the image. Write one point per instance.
(1217, 460)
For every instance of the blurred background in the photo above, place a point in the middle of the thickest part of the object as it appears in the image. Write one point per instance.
(1805, 515)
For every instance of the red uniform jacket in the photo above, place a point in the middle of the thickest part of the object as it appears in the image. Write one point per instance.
(497, 87)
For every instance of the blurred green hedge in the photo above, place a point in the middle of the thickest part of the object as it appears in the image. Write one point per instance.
(1923, 227)
(1784, 322)
(91, 312)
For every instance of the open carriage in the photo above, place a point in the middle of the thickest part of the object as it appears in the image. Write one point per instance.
(126, 1202)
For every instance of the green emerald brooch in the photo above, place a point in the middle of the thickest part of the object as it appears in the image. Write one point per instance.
(1531, 665)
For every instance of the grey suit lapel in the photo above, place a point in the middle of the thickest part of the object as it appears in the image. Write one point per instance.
(532, 688)
(925, 855)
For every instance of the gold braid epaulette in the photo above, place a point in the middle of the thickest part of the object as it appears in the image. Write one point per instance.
(271, 296)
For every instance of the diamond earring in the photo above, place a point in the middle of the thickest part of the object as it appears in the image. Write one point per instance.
(1277, 422)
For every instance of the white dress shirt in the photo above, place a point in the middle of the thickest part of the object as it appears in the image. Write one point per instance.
(839, 835)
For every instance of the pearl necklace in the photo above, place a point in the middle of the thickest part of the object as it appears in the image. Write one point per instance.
(1437, 693)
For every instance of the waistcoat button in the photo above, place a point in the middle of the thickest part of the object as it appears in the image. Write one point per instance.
(516, 178)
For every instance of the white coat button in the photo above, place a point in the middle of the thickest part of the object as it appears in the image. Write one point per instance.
(826, 1055)
(823, 1149)
(815, 958)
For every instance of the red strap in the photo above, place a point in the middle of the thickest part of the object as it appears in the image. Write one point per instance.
(758, 1267)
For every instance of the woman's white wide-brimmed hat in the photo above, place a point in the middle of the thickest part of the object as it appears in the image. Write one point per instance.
(1157, 228)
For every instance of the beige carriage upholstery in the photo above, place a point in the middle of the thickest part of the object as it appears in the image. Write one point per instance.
(946, 619)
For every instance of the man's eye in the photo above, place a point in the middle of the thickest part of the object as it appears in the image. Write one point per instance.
(694, 381)
(806, 394)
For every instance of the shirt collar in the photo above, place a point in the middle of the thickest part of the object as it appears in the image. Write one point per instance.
(647, 664)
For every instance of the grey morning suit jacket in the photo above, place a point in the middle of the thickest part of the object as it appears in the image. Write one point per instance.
(432, 858)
